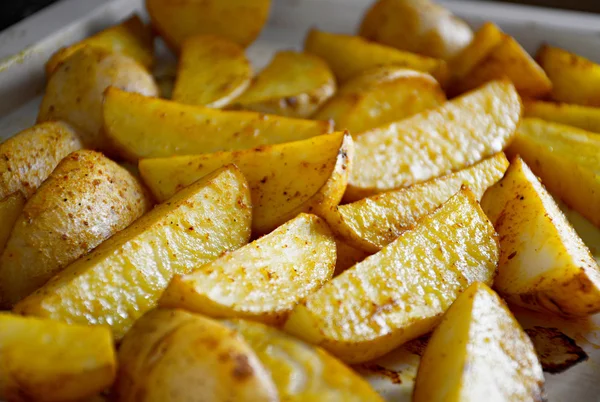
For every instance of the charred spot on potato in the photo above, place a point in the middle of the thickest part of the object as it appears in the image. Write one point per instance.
(557, 352)
(417, 346)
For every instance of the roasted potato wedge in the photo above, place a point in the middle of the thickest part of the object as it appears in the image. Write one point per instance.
(487, 37)
(195, 226)
(583, 117)
(435, 142)
(285, 179)
(347, 256)
(49, 361)
(143, 127)
(399, 293)
(10, 209)
(479, 349)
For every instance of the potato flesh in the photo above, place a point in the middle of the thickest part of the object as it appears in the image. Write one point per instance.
(10, 209)
(399, 293)
(124, 277)
(485, 39)
(583, 117)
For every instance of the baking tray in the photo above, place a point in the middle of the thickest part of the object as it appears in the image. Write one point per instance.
(25, 47)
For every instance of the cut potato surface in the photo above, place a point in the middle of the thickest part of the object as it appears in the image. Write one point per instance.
(399, 293)
(10, 209)
(124, 277)
(485, 39)
(583, 117)
(479, 352)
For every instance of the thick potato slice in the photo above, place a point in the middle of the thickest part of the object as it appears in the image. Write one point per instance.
(381, 96)
(583, 117)
(10, 209)
(349, 55)
(347, 256)
(263, 280)
(294, 84)
(435, 142)
(143, 127)
(212, 71)
(124, 277)
(174, 356)
(399, 293)
(374, 222)
(479, 350)
(544, 265)
(285, 179)
(487, 37)
(49, 361)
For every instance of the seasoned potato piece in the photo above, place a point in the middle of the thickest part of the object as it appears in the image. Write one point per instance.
(10, 209)
(124, 277)
(263, 280)
(174, 356)
(435, 142)
(486, 38)
(381, 96)
(143, 127)
(584, 117)
(285, 179)
(347, 256)
(49, 361)
(479, 349)
(399, 293)
(212, 71)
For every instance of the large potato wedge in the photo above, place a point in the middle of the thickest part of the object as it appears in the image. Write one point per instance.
(381, 96)
(399, 293)
(49, 361)
(583, 117)
(124, 277)
(263, 280)
(435, 142)
(294, 84)
(143, 127)
(479, 349)
(10, 209)
(174, 356)
(86, 199)
(487, 37)
(285, 179)
(544, 265)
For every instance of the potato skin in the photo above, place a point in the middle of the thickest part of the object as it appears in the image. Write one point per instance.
(10, 210)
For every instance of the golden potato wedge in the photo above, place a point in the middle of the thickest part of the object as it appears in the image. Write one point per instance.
(435, 142)
(583, 117)
(487, 37)
(143, 127)
(49, 361)
(212, 71)
(479, 349)
(10, 209)
(263, 280)
(399, 293)
(374, 222)
(349, 55)
(347, 256)
(85, 200)
(285, 179)
(124, 277)
(173, 356)
(294, 84)
(300, 371)
(544, 265)
(75, 91)
(381, 96)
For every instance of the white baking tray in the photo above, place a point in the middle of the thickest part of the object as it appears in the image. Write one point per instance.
(25, 47)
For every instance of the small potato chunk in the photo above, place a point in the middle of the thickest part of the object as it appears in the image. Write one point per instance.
(285, 179)
(486, 38)
(381, 96)
(212, 71)
(263, 280)
(479, 352)
(49, 361)
(399, 293)
(124, 277)
(294, 84)
(583, 117)
(143, 127)
(544, 265)
(10, 209)
(174, 356)
(435, 142)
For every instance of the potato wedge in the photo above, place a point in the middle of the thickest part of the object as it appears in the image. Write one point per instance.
(285, 179)
(294, 84)
(173, 356)
(124, 277)
(212, 71)
(10, 209)
(479, 349)
(583, 117)
(300, 371)
(435, 142)
(544, 265)
(143, 127)
(349, 55)
(49, 361)
(374, 222)
(381, 96)
(399, 293)
(487, 37)
(263, 280)
(347, 256)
